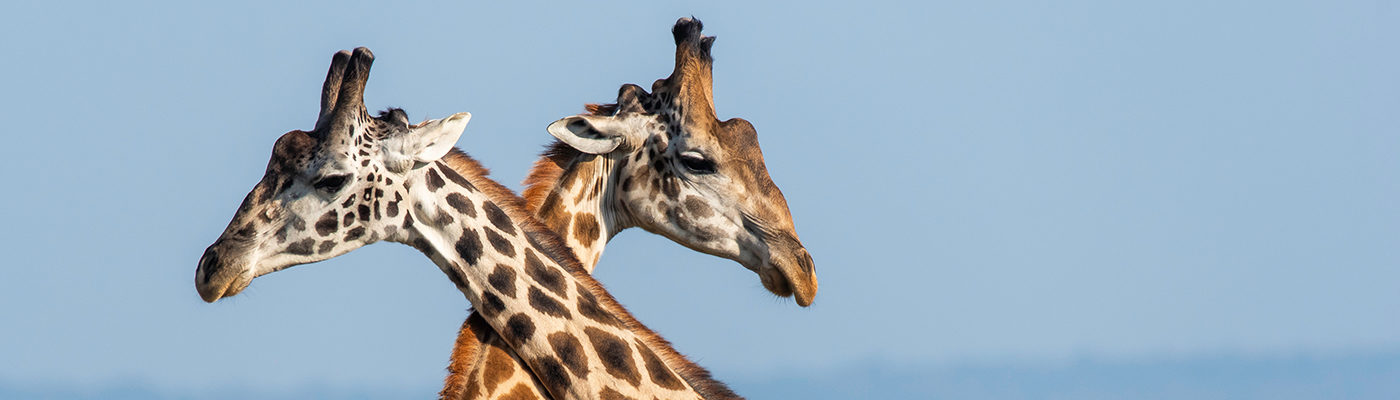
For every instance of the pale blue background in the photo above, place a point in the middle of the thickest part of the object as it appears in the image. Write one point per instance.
(1004, 199)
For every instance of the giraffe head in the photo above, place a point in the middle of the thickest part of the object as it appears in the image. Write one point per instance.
(695, 179)
(327, 191)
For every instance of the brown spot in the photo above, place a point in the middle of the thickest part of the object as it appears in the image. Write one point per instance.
(503, 279)
(349, 219)
(697, 207)
(660, 374)
(458, 278)
(328, 223)
(435, 181)
(627, 184)
(549, 278)
(355, 233)
(498, 218)
(520, 327)
(302, 248)
(499, 243)
(545, 304)
(551, 374)
(615, 354)
(461, 204)
(457, 178)
(588, 306)
(570, 351)
(499, 366)
(585, 228)
(325, 246)
(490, 303)
(468, 246)
(364, 212)
(442, 218)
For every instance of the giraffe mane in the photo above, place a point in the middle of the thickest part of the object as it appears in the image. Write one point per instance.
(549, 242)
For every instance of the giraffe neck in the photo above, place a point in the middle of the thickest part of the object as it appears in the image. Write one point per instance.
(574, 195)
(575, 337)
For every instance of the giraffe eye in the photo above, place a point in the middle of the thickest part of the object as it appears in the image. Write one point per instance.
(331, 183)
(697, 163)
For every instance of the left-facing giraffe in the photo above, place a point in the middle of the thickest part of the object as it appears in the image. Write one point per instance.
(357, 179)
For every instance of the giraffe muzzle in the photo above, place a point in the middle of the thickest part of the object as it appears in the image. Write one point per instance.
(213, 277)
(793, 274)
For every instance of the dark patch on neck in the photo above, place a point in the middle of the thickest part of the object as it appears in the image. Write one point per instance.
(547, 305)
(469, 246)
(490, 303)
(551, 374)
(589, 307)
(502, 278)
(586, 228)
(499, 243)
(547, 277)
(520, 327)
(498, 218)
(570, 351)
(660, 374)
(615, 354)
(462, 204)
(457, 178)
(434, 179)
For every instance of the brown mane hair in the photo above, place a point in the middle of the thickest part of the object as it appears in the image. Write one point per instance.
(545, 173)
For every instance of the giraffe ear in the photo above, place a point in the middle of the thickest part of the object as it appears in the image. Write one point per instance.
(425, 142)
(595, 134)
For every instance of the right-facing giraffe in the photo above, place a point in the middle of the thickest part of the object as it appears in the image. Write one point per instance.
(661, 161)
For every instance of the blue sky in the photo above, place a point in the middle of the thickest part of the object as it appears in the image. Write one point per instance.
(991, 187)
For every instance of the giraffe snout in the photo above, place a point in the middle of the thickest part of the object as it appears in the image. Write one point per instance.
(212, 277)
(791, 272)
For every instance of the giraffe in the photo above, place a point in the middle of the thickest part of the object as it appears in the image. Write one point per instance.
(588, 193)
(357, 179)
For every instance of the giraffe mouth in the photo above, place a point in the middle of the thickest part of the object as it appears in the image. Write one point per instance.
(791, 277)
(217, 290)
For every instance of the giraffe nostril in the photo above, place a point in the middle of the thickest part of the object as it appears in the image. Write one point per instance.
(207, 266)
(804, 260)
